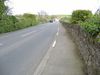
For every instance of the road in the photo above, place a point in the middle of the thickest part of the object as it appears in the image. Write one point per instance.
(22, 51)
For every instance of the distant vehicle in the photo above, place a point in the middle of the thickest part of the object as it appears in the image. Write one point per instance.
(51, 21)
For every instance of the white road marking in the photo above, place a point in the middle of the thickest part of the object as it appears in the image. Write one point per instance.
(57, 33)
(5, 36)
(58, 28)
(43, 63)
(54, 44)
(26, 34)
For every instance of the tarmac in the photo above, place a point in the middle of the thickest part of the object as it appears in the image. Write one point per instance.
(63, 58)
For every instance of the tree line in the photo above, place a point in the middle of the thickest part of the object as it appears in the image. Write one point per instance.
(10, 22)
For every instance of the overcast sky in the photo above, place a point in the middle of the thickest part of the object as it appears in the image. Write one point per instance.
(52, 6)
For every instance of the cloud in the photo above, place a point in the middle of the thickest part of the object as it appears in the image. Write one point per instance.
(52, 6)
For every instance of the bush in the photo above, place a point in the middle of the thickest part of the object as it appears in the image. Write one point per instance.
(7, 23)
(80, 15)
(92, 26)
(26, 20)
(66, 19)
(11, 23)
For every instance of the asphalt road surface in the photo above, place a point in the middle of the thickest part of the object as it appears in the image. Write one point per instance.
(22, 51)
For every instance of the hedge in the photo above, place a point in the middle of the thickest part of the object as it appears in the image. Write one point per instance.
(80, 16)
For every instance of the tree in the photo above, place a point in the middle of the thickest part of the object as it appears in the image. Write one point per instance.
(81, 15)
(30, 16)
(43, 16)
(3, 8)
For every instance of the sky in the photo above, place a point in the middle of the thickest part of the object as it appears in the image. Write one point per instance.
(52, 7)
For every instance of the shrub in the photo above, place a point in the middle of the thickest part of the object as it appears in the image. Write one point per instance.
(92, 26)
(66, 19)
(11, 23)
(7, 23)
(80, 15)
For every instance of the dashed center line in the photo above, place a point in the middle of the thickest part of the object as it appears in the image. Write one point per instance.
(5, 36)
(24, 35)
(57, 34)
(54, 44)
(43, 63)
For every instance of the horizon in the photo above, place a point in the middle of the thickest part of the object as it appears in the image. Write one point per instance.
(61, 7)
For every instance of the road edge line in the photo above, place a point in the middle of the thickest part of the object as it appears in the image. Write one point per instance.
(43, 63)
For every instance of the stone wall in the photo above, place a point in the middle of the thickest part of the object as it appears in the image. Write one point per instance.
(89, 50)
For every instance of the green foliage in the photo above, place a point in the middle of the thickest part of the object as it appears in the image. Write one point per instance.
(10, 23)
(2, 7)
(7, 24)
(43, 18)
(92, 26)
(80, 15)
(66, 19)
(90, 23)
(29, 18)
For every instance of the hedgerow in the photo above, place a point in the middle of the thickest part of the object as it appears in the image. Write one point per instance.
(92, 26)
(80, 15)
(11, 23)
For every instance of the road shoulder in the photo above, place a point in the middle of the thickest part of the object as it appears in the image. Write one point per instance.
(62, 59)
